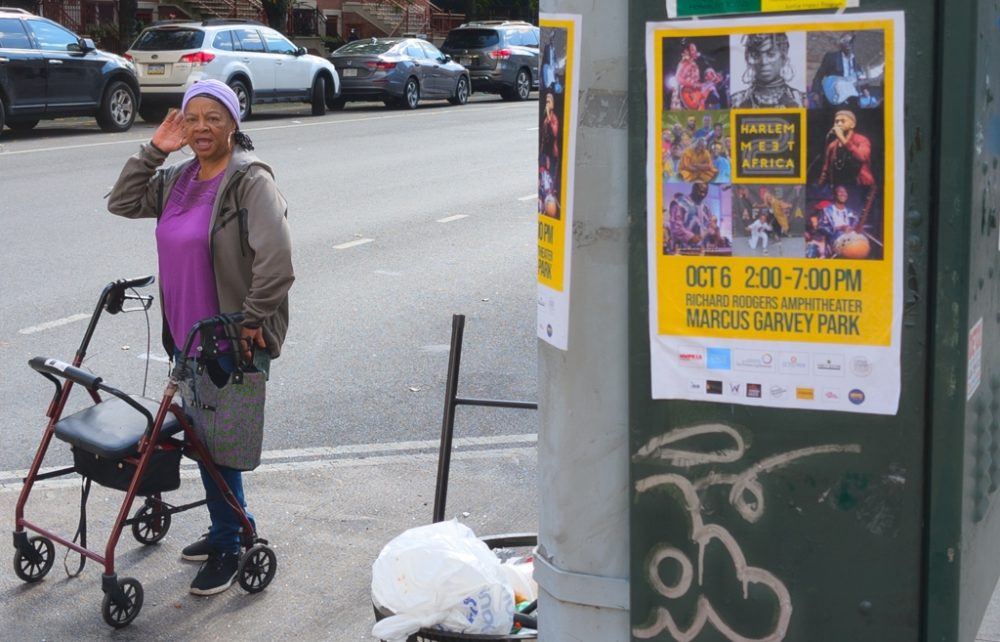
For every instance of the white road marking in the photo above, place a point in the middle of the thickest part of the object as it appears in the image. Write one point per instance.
(528, 197)
(48, 325)
(350, 244)
(449, 219)
(388, 273)
(531, 129)
(152, 356)
(338, 456)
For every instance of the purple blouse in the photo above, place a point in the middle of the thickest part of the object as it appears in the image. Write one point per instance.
(185, 257)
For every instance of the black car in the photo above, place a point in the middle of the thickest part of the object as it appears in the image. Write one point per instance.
(501, 56)
(47, 71)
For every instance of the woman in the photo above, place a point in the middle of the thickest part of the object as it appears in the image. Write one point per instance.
(223, 243)
(768, 74)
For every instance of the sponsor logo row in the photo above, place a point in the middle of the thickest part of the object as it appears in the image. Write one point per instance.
(776, 391)
(790, 363)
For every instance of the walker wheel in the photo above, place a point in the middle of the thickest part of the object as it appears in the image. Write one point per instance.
(33, 564)
(257, 568)
(149, 530)
(121, 613)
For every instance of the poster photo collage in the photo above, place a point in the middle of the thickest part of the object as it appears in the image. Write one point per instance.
(773, 144)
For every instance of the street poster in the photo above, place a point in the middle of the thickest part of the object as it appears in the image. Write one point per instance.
(557, 113)
(774, 176)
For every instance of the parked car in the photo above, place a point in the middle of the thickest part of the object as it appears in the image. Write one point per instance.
(501, 56)
(399, 72)
(47, 71)
(260, 64)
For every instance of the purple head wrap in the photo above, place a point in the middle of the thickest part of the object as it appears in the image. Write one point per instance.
(217, 90)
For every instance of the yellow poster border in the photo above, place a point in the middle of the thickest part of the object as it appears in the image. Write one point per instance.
(885, 269)
(557, 281)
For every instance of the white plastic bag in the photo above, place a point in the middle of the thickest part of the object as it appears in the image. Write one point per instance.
(440, 576)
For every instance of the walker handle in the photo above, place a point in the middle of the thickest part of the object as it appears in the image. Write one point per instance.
(62, 369)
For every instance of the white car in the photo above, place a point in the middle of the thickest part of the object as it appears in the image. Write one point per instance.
(260, 64)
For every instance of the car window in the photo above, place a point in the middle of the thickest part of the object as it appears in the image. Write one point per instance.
(249, 39)
(52, 37)
(414, 50)
(276, 43)
(472, 38)
(169, 40)
(224, 41)
(531, 37)
(12, 34)
(367, 47)
(432, 52)
(515, 38)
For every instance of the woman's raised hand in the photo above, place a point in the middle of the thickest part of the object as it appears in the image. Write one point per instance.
(170, 135)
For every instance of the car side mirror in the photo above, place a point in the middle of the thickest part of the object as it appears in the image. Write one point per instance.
(301, 51)
(87, 44)
(445, 58)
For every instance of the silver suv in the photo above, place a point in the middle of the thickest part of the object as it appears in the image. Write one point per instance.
(260, 64)
(501, 56)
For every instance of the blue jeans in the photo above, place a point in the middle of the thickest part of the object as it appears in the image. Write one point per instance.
(224, 535)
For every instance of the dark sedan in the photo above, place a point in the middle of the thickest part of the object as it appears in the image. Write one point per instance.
(399, 72)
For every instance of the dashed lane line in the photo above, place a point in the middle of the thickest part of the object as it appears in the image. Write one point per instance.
(73, 318)
(449, 219)
(350, 244)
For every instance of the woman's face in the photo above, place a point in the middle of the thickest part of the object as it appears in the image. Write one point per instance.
(767, 62)
(209, 128)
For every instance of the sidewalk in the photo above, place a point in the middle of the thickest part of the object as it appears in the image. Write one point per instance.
(326, 520)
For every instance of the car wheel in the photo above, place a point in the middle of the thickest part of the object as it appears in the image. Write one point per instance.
(117, 112)
(319, 96)
(153, 115)
(22, 125)
(461, 92)
(244, 96)
(336, 104)
(522, 85)
(411, 94)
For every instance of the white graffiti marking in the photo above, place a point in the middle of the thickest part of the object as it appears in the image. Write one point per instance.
(747, 497)
(654, 449)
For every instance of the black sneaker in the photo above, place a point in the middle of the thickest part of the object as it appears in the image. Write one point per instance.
(216, 574)
(197, 551)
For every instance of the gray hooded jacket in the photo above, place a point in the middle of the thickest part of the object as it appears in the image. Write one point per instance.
(250, 241)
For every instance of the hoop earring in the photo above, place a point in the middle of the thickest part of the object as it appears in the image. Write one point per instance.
(787, 72)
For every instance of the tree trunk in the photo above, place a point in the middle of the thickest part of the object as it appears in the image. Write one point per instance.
(276, 12)
(126, 23)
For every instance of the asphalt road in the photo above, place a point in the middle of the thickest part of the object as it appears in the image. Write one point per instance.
(399, 220)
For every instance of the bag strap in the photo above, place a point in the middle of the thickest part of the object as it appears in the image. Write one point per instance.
(81, 530)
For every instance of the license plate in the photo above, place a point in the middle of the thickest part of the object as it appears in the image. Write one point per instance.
(465, 61)
(350, 73)
(156, 69)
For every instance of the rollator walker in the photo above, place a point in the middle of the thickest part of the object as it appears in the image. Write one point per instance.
(134, 444)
